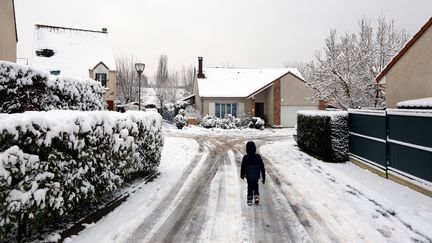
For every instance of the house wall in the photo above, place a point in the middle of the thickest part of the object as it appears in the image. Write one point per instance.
(198, 103)
(8, 31)
(294, 97)
(111, 82)
(206, 103)
(112, 85)
(411, 76)
(263, 97)
(269, 105)
(295, 92)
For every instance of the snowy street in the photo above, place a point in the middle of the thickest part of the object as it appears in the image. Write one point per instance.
(199, 197)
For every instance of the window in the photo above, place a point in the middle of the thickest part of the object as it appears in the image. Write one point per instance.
(101, 77)
(217, 110)
(222, 109)
(45, 53)
(55, 72)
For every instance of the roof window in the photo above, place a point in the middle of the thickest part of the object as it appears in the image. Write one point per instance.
(55, 72)
(45, 53)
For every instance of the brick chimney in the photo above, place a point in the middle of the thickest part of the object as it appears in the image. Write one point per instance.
(200, 68)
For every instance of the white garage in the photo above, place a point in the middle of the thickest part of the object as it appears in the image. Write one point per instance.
(289, 114)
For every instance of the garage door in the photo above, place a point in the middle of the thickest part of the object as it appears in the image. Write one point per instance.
(289, 114)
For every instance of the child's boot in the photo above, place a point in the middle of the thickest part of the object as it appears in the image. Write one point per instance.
(256, 199)
(249, 200)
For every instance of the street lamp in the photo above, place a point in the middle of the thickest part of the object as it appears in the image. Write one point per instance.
(139, 67)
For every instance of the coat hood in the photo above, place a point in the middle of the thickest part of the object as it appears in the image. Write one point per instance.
(250, 148)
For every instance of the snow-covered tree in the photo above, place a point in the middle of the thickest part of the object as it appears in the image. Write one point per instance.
(344, 71)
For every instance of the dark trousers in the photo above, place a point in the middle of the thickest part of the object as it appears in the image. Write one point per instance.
(252, 188)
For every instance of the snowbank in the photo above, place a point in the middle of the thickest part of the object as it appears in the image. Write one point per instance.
(324, 133)
(53, 162)
(24, 88)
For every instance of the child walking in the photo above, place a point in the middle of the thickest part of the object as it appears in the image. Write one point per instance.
(251, 167)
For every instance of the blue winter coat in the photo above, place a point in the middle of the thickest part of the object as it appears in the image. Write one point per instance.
(252, 165)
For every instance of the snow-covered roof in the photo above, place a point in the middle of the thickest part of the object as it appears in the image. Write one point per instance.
(239, 82)
(75, 51)
(417, 103)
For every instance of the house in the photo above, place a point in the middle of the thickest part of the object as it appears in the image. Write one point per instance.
(408, 75)
(8, 31)
(78, 53)
(272, 94)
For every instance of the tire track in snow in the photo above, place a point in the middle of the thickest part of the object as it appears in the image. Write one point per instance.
(156, 218)
(224, 220)
(183, 222)
(273, 220)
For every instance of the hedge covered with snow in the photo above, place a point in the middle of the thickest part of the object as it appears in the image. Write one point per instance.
(24, 88)
(52, 163)
(324, 133)
(231, 122)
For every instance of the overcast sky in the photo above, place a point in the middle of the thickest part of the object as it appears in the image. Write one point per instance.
(244, 33)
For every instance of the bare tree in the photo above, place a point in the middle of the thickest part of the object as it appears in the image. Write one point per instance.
(344, 71)
(127, 79)
(162, 74)
(302, 67)
(167, 82)
(188, 76)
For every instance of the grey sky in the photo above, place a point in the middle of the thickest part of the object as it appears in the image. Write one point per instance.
(245, 33)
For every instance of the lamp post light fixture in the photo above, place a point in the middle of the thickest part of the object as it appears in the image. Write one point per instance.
(139, 67)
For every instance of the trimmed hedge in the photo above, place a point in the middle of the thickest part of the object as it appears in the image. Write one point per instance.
(27, 89)
(54, 163)
(324, 133)
(230, 122)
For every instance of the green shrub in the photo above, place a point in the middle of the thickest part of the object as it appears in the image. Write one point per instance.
(57, 162)
(27, 89)
(324, 133)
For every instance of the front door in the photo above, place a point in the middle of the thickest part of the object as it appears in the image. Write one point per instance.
(259, 109)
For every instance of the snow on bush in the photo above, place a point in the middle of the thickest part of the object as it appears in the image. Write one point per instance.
(190, 111)
(168, 112)
(27, 89)
(230, 122)
(208, 121)
(51, 163)
(324, 133)
(256, 122)
(180, 119)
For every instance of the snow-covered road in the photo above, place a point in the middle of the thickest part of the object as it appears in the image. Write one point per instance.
(199, 197)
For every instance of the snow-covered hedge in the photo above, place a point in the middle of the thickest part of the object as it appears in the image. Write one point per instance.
(230, 122)
(324, 133)
(27, 89)
(51, 163)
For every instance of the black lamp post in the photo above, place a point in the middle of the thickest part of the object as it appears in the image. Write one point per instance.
(139, 67)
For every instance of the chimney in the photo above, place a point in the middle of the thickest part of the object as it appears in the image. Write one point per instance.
(105, 30)
(200, 68)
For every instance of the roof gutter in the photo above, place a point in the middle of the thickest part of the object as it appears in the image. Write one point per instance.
(258, 91)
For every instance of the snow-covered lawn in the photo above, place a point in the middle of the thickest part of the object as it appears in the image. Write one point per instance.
(116, 227)
(356, 204)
